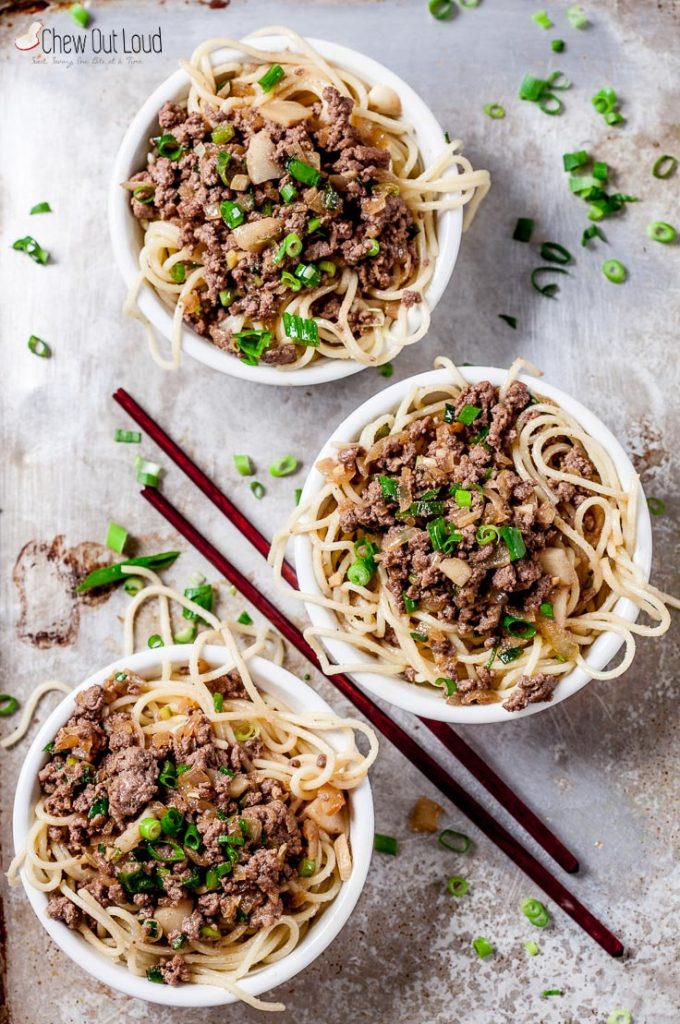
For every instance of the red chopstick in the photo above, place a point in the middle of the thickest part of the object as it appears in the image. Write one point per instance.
(477, 814)
(470, 760)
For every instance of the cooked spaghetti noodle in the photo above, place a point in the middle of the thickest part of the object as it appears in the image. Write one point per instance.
(477, 539)
(191, 825)
(297, 193)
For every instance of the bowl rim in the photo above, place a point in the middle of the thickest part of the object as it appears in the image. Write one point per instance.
(123, 229)
(427, 702)
(271, 678)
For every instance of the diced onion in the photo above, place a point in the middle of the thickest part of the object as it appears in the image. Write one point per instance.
(424, 816)
(343, 857)
(457, 570)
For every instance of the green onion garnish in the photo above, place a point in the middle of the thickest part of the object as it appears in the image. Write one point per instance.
(554, 253)
(127, 436)
(468, 414)
(546, 993)
(389, 488)
(244, 619)
(116, 538)
(450, 685)
(550, 104)
(385, 844)
(192, 837)
(659, 231)
(150, 828)
(41, 208)
(514, 541)
(39, 347)
(290, 281)
(509, 654)
(155, 974)
(532, 88)
(557, 45)
(32, 248)
(313, 224)
(8, 705)
(291, 246)
(79, 15)
(558, 80)
(222, 162)
(386, 370)
(298, 495)
(165, 851)
(374, 247)
(482, 947)
(457, 842)
(148, 473)
(186, 635)
(168, 146)
(531, 948)
(523, 229)
(302, 172)
(600, 170)
(178, 272)
(144, 194)
(494, 111)
(605, 102)
(440, 9)
(309, 274)
(518, 628)
(620, 1016)
(202, 595)
(361, 572)
(663, 167)
(305, 332)
(172, 821)
(549, 290)
(288, 192)
(546, 609)
(456, 886)
(109, 574)
(570, 161)
(232, 214)
(222, 133)
(614, 271)
(592, 232)
(541, 19)
(306, 867)
(49, 747)
(252, 344)
(486, 534)
(271, 78)
(535, 912)
(99, 807)
(462, 497)
(226, 297)
(443, 536)
(409, 604)
(155, 640)
(511, 321)
(576, 16)
(284, 466)
(258, 490)
(244, 465)
(657, 506)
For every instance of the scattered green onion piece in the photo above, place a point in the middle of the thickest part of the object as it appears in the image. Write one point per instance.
(468, 414)
(361, 572)
(120, 677)
(232, 214)
(535, 912)
(298, 495)
(226, 297)
(442, 10)
(550, 104)
(244, 465)
(386, 370)
(511, 321)
(554, 253)
(663, 168)
(614, 271)
(116, 538)
(614, 117)
(657, 506)
(604, 101)
(172, 821)
(32, 248)
(186, 635)
(532, 88)
(41, 208)
(469, 3)
(457, 886)
(178, 272)
(531, 948)
(127, 436)
(202, 595)
(309, 274)
(253, 344)
(462, 497)
(494, 110)
(271, 78)
(155, 640)
(592, 232)
(482, 947)
(288, 192)
(509, 654)
(79, 15)
(620, 1016)
(148, 473)
(486, 534)
(192, 837)
(144, 194)
(558, 80)
(570, 161)
(49, 747)
(583, 183)
(514, 542)
(541, 19)
(150, 828)
(375, 247)
(245, 619)
(328, 267)
(313, 225)
(659, 231)
(550, 289)
(8, 705)
(168, 146)
(385, 844)
(100, 806)
(551, 992)
(557, 45)
(330, 199)
(39, 347)
(302, 172)
(222, 133)
(389, 488)
(546, 609)
(291, 281)
(523, 229)
(222, 163)
(600, 170)
(520, 629)
(284, 466)
(409, 604)
(246, 731)
(155, 974)
(457, 842)
(258, 490)
(450, 685)
(290, 246)
(307, 867)
(576, 16)
(304, 331)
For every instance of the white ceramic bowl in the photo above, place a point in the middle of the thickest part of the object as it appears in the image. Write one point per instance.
(127, 235)
(297, 695)
(427, 701)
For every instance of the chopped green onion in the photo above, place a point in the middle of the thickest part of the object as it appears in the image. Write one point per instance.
(108, 574)
(307, 867)
(614, 271)
(284, 466)
(41, 208)
(155, 974)
(361, 572)
(511, 321)
(620, 1016)
(246, 731)
(309, 274)
(550, 289)
(302, 172)
(600, 170)
(290, 246)
(605, 101)
(389, 488)
(192, 837)
(482, 947)
(457, 842)
(551, 992)
(150, 828)
(221, 164)
(558, 80)
(258, 490)
(550, 104)
(290, 281)
(583, 183)
(514, 542)
(288, 192)
(509, 654)
(523, 229)
(271, 78)
(657, 506)
(663, 168)
(659, 231)
(144, 194)
(202, 595)
(409, 604)
(592, 232)
(172, 821)
(8, 705)
(127, 436)
(546, 609)
(385, 844)
(178, 272)
(298, 495)
(462, 497)
(313, 224)
(554, 253)
(245, 619)
(457, 886)
(440, 9)
(148, 473)
(244, 465)
(49, 747)
(570, 161)
(468, 414)
(375, 247)
(79, 15)
(186, 635)
(232, 214)
(532, 88)
(330, 199)
(443, 536)
(469, 3)
(541, 19)
(450, 685)
(32, 248)
(155, 640)
(557, 45)
(165, 851)
(222, 133)
(494, 110)
(39, 347)
(100, 806)
(531, 948)
(535, 912)
(576, 16)
(518, 628)
(486, 534)
(168, 146)
(253, 344)
(116, 538)
(305, 332)
(386, 370)
(226, 297)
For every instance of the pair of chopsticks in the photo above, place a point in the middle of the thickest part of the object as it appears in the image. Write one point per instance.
(405, 743)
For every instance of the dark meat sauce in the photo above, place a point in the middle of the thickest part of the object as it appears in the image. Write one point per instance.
(430, 460)
(355, 205)
(246, 842)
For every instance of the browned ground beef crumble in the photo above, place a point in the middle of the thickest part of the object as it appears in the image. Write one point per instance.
(430, 458)
(356, 168)
(100, 772)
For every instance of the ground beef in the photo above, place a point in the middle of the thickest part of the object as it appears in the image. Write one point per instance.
(531, 690)
(60, 908)
(132, 780)
(175, 970)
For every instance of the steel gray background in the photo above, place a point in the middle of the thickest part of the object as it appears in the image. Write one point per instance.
(602, 768)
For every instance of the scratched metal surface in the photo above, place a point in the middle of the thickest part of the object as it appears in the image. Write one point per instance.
(600, 768)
